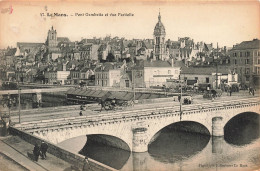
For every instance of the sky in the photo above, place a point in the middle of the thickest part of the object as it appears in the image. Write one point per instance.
(227, 23)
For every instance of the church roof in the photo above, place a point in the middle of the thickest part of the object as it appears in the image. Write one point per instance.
(63, 39)
(10, 52)
(148, 45)
(159, 27)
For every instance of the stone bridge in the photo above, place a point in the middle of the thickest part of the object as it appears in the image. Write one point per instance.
(135, 130)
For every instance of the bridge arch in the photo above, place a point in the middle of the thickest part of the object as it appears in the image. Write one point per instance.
(242, 128)
(109, 140)
(186, 126)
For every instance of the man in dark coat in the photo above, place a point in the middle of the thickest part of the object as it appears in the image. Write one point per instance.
(43, 149)
(36, 152)
(179, 98)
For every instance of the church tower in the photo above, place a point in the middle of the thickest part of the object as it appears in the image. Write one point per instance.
(160, 51)
(52, 40)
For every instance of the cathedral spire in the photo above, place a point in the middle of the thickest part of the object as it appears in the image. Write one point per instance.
(159, 16)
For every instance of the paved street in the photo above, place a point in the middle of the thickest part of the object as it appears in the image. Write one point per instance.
(94, 109)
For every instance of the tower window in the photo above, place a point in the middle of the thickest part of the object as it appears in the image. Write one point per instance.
(157, 40)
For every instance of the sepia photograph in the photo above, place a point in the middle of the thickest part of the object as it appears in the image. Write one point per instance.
(140, 85)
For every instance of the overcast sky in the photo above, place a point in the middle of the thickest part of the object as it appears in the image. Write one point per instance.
(225, 23)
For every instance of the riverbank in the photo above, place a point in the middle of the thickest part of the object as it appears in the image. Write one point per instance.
(19, 153)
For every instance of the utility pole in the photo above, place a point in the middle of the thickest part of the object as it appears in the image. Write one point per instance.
(217, 69)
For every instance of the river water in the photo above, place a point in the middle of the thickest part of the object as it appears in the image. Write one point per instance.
(239, 149)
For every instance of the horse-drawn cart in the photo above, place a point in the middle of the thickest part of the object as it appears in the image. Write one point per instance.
(214, 93)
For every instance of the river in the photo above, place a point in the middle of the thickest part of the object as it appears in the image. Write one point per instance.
(239, 149)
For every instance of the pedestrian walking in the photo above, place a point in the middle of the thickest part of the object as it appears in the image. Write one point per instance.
(43, 149)
(86, 165)
(250, 90)
(179, 98)
(191, 100)
(36, 152)
(80, 113)
(81, 107)
(102, 103)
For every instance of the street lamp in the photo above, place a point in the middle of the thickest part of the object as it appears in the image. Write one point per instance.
(19, 103)
(9, 105)
(133, 79)
(180, 95)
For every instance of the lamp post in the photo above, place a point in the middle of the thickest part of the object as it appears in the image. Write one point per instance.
(133, 78)
(19, 103)
(9, 103)
(216, 62)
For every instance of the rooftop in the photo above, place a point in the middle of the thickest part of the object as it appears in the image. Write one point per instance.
(253, 44)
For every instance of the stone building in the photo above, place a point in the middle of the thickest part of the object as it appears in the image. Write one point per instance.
(245, 60)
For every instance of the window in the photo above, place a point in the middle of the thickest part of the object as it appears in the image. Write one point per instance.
(247, 53)
(157, 40)
(169, 72)
(235, 61)
(207, 79)
(233, 77)
(246, 61)
(241, 54)
(196, 78)
(235, 54)
(247, 70)
(258, 61)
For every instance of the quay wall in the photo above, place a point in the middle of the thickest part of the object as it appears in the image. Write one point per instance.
(76, 160)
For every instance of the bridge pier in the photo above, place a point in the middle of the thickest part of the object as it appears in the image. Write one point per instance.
(217, 126)
(140, 140)
(217, 144)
